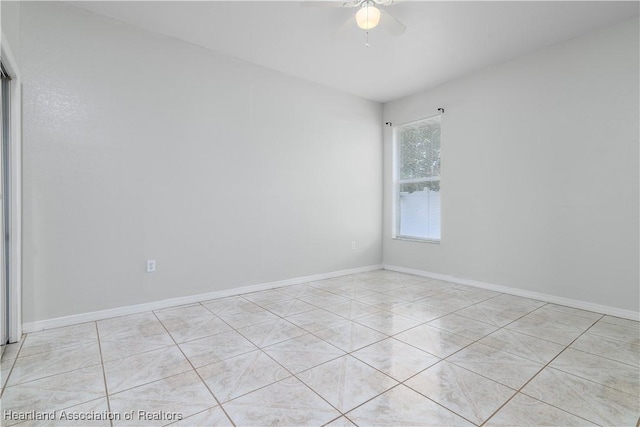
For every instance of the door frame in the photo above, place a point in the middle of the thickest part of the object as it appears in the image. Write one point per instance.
(15, 256)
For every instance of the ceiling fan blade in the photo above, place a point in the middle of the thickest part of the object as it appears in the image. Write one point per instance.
(391, 24)
(386, 2)
(342, 30)
(330, 3)
(321, 3)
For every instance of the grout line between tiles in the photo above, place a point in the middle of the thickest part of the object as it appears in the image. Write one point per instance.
(403, 382)
(137, 354)
(446, 357)
(195, 371)
(426, 397)
(537, 373)
(350, 420)
(49, 376)
(284, 367)
(609, 358)
(53, 375)
(600, 356)
(389, 309)
(13, 364)
(334, 419)
(468, 345)
(369, 400)
(192, 415)
(104, 374)
(294, 375)
(379, 310)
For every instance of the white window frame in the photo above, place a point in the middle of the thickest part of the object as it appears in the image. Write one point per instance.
(397, 182)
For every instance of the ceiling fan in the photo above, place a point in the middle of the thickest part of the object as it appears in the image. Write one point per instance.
(368, 16)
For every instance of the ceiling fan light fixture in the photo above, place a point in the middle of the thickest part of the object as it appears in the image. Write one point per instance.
(368, 16)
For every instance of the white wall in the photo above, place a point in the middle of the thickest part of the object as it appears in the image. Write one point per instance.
(539, 172)
(137, 147)
(10, 25)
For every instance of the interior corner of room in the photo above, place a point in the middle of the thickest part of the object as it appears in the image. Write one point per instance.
(233, 177)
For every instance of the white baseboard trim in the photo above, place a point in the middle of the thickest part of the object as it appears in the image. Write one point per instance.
(92, 316)
(583, 305)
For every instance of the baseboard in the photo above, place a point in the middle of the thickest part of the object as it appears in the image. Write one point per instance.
(75, 319)
(583, 305)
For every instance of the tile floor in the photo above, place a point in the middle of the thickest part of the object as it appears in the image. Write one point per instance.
(373, 349)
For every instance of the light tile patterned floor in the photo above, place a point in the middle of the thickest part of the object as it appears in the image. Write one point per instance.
(373, 349)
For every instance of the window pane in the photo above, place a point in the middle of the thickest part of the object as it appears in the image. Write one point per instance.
(419, 210)
(419, 149)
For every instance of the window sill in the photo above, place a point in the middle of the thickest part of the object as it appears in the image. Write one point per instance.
(417, 240)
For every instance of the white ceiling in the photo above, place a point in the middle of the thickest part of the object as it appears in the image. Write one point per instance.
(444, 40)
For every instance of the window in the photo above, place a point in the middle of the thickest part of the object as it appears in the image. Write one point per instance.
(417, 180)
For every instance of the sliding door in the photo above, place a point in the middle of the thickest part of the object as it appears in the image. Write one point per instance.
(5, 210)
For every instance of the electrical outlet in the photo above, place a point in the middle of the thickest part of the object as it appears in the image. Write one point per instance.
(353, 246)
(151, 265)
